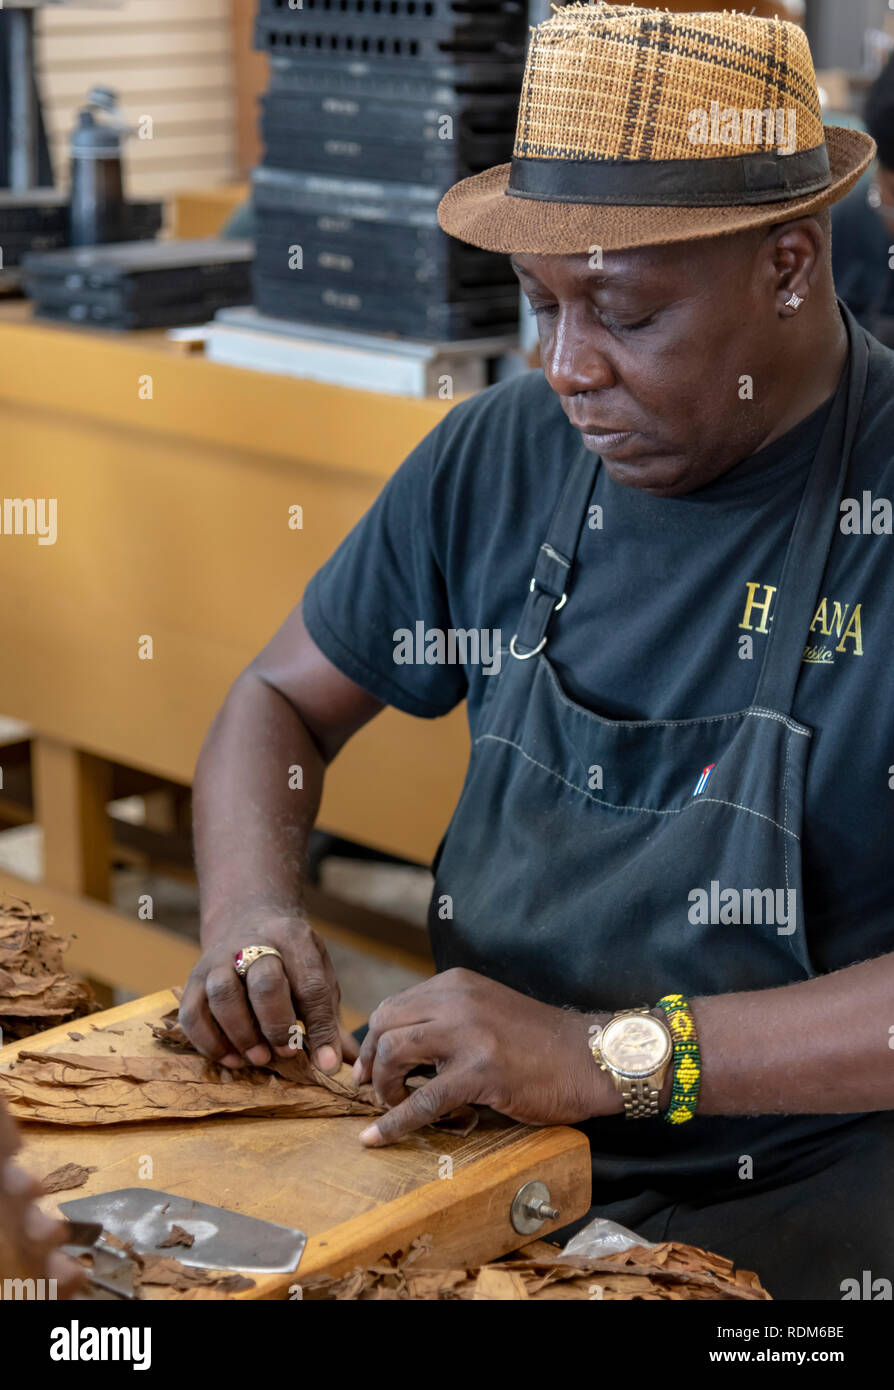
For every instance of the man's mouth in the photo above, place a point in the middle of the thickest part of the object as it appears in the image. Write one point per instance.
(606, 440)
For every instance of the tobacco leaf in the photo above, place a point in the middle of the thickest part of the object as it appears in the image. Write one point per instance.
(76, 1089)
(435, 1283)
(36, 991)
(66, 1178)
(177, 1237)
(496, 1283)
(671, 1271)
(165, 1271)
(169, 1032)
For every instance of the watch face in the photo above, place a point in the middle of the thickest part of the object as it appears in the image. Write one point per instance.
(635, 1046)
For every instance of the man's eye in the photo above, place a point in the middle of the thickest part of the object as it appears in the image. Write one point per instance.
(615, 327)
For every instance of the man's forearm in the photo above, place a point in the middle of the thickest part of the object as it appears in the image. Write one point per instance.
(822, 1046)
(255, 798)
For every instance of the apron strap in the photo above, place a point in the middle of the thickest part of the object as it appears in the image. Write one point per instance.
(549, 585)
(818, 515)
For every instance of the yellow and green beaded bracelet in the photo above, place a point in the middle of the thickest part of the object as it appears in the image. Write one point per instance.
(687, 1059)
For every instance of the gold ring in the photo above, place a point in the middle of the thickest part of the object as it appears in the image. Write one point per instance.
(249, 954)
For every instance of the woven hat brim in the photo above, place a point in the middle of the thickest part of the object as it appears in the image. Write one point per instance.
(476, 211)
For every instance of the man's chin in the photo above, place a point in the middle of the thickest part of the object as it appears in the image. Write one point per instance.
(656, 474)
(630, 460)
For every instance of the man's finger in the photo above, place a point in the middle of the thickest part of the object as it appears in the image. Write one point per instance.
(70, 1277)
(17, 1182)
(402, 1011)
(41, 1229)
(317, 1007)
(398, 1052)
(445, 1092)
(271, 999)
(199, 1026)
(228, 1003)
(366, 1054)
(350, 1047)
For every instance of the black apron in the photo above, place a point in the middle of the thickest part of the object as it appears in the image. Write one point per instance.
(578, 842)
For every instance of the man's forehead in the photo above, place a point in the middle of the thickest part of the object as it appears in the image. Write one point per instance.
(597, 267)
(641, 264)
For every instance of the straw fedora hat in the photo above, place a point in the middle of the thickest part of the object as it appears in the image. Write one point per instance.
(638, 127)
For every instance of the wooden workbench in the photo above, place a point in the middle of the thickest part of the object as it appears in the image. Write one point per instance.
(173, 523)
(355, 1204)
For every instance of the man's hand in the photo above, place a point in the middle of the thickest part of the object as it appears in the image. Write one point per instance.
(291, 708)
(29, 1240)
(228, 1019)
(491, 1046)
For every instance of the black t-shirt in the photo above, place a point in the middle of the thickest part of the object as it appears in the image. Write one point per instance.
(660, 607)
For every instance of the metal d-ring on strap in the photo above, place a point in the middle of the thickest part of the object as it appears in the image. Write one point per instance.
(548, 589)
(556, 606)
(525, 656)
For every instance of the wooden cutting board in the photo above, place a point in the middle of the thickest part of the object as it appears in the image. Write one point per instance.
(355, 1204)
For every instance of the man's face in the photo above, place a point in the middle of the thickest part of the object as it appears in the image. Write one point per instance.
(648, 354)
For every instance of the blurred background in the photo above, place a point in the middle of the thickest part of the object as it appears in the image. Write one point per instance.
(194, 65)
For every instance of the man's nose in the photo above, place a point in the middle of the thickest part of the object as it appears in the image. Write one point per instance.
(574, 360)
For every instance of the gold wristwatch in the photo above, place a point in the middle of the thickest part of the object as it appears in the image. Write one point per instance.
(635, 1048)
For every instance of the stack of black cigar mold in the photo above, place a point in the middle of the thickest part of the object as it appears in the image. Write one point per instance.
(374, 108)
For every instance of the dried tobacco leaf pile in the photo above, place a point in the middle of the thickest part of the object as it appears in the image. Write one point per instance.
(159, 1270)
(151, 1272)
(36, 992)
(73, 1088)
(669, 1271)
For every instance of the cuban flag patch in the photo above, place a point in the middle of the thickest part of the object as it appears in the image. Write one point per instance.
(703, 780)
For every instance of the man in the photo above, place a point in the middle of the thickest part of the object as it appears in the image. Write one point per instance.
(678, 796)
(863, 223)
(29, 1240)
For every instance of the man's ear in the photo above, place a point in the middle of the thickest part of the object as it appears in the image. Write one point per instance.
(798, 251)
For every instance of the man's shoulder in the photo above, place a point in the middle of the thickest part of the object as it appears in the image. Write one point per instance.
(494, 459)
(528, 386)
(520, 411)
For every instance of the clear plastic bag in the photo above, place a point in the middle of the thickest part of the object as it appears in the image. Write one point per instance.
(602, 1237)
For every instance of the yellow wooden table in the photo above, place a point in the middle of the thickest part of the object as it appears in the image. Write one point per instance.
(173, 479)
(355, 1204)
